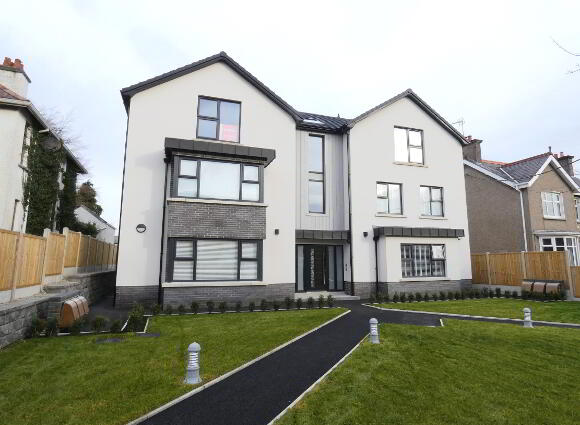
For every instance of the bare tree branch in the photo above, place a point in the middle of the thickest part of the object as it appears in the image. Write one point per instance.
(564, 49)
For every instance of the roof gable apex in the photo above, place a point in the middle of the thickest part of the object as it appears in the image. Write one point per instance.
(559, 170)
(411, 95)
(128, 92)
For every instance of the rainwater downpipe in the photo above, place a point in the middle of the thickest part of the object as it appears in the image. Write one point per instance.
(160, 288)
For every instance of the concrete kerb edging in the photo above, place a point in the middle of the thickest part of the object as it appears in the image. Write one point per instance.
(230, 373)
(451, 315)
(310, 388)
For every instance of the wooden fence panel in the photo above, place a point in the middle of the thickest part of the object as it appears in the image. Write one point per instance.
(479, 268)
(92, 252)
(575, 272)
(54, 254)
(546, 265)
(83, 251)
(32, 263)
(72, 249)
(506, 269)
(8, 241)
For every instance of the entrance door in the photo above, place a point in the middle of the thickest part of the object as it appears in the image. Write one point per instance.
(319, 268)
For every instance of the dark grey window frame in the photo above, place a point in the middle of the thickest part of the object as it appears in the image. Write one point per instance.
(444, 261)
(172, 242)
(409, 145)
(217, 119)
(431, 200)
(322, 174)
(177, 174)
(383, 197)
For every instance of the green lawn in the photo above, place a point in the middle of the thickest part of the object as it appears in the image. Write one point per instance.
(464, 373)
(73, 380)
(499, 307)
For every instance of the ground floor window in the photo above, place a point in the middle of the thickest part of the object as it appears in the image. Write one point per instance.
(561, 243)
(214, 260)
(319, 268)
(422, 260)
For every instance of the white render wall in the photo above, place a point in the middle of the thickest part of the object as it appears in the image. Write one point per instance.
(15, 81)
(12, 125)
(372, 160)
(170, 110)
(106, 231)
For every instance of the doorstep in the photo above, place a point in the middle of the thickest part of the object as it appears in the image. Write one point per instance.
(338, 296)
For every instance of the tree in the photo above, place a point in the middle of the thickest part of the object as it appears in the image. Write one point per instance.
(572, 71)
(67, 200)
(87, 196)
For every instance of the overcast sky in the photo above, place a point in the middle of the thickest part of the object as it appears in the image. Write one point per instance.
(492, 64)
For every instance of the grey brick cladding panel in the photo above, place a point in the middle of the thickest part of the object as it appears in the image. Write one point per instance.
(127, 295)
(229, 294)
(220, 221)
(428, 286)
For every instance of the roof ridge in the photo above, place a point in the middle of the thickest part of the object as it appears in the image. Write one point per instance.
(519, 161)
(489, 161)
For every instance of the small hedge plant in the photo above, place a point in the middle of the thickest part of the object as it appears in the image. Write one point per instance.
(194, 307)
(210, 305)
(299, 303)
(310, 302)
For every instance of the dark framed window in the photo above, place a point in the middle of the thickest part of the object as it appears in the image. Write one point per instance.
(218, 119)
(422, 260)
(206, 260)
(316, 186)
(431, 201)
(409, 145)
(213, 179)
(389, 198)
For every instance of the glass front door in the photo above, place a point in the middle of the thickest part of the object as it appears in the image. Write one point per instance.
(319, 268)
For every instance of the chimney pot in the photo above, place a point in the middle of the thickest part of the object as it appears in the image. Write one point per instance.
(18, 64)
(7, 61)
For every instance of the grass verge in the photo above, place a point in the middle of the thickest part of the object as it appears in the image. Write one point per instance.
(464, 373)
(73, 380)
(568, 312)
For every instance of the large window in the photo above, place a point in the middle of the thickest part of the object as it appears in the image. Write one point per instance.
(389, 198)
(409, 145)
(218, 119)
(553, 205)
(577, 203)
(217, 180)
(422, 260)
(214, 260)
(431, 201)
(316, 192)
(561, 244)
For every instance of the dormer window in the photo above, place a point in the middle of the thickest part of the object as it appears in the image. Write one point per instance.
(218, 119)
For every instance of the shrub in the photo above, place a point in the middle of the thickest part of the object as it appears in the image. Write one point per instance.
(252, 306)
(194, 307)
(263, 305)
(320, 301)
(396, 298)
(310, 302)
(288, 303)
(411, 298)
(442, 296)
(471, 294)
(403, 297)
(477, 294)
(76, 327)
(462, 295)
(330, 300)
(136, 320)
(515, 294)
(210, 305)
(51, 327)
(491, 294)
(181, 309)
(485, 293)
(98, 323)
(168, 309)
(36, 327)
(450, 295)
(497, 292)
(457, 295)
(386, 298)
(156, 309)
(276, 305)
(418, 296)
(299, 303)
(223, 306)
(434, 296)
(115, 327)
(372, 299)
(507, 294)
(426, 296)
(238, 306)
(379, 297)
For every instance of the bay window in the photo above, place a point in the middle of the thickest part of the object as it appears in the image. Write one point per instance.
(210, 179)
(422, 260)
(214, 260)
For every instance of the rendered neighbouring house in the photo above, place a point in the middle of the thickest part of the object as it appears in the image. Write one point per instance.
(18, 119)
(532, 204)
(106, 231)
(231, 194)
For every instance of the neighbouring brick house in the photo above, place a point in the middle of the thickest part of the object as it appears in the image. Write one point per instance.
(231, 194)
(532, 204)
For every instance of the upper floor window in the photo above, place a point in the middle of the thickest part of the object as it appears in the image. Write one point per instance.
(316, 193)
(208, 179)
(553, 205)
(389, 198)
(25, 143)
(432, 200)
(218, 119)
(409, 145)
(577, 201)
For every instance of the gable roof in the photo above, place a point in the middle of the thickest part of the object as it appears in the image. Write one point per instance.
(128, 92)
(325, 123)
(525, 169)
(411, 95)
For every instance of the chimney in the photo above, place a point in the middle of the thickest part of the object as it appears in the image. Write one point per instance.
(472, 151)
(566, 163)
(13, 77)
